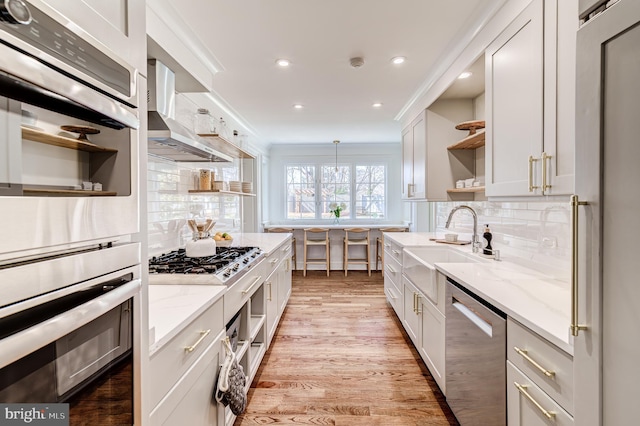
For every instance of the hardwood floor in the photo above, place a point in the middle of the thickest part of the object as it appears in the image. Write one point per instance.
(340, 357)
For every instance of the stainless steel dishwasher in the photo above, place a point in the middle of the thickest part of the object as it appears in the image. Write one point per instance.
(475, 358)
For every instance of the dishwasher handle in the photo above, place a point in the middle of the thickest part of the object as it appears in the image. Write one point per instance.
(472, 316)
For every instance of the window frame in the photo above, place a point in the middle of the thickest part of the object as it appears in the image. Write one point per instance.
(318, 201)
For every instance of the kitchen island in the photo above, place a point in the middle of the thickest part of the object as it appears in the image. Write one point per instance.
(191, 314)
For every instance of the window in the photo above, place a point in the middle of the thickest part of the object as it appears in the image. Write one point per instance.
(312, 188)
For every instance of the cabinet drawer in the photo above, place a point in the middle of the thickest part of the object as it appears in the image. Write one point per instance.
(392, 251)
(525, 349)
(393, 270)
(393, 296)
(238, 294)
(191, 400)
(526, 402)
(171, 361)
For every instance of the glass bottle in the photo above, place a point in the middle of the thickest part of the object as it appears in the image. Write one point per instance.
(204, 122)
(223, 130)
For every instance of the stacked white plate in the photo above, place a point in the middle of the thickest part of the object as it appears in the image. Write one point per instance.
(235, 186)
(247, 187)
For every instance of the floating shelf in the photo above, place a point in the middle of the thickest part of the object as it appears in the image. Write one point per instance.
(70, 192)
(212, 191)
(224, 146)
(466, 190)
(473, 141)
(62, 141)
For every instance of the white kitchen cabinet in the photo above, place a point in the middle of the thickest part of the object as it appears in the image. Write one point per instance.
(530, 96)
(190, 400)
(393, 276)
(117, 24)
(411, 319)
(432, 340)
(539, 379)
(528, 405)
(429, 169)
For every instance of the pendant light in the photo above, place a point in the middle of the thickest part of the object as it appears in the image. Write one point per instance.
(336, 142)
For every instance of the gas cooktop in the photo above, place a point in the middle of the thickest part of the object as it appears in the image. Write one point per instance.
(225, 267)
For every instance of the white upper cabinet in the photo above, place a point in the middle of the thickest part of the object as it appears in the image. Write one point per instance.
(428, 168)
(117, 24)
(530, 81)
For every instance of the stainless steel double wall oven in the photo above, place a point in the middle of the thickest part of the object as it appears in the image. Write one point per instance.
(69, 218)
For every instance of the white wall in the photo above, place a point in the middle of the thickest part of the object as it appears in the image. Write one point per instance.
(273, 195)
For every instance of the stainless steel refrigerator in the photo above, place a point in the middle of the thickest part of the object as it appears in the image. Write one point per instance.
(606, 210)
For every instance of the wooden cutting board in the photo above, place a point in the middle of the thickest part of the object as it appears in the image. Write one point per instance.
(457, 243)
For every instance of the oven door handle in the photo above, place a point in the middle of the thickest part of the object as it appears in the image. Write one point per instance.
(27, 341)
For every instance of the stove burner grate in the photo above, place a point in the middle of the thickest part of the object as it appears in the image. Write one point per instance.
(177, 262)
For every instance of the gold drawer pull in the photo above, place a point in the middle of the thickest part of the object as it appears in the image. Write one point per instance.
(396, 252)
(523, 390)
(391, 269)
(203, 334)
(532, 187)
(543, 370)
(248, 289)
(274, 261)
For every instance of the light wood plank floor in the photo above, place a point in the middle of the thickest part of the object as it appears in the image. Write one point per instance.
(340, 357)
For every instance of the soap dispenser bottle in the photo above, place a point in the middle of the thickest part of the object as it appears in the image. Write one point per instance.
(486, 236)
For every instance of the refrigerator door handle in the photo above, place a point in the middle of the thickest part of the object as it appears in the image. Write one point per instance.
(575, 327)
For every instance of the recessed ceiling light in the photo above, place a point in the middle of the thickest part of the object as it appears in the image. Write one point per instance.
(298, 106)
(283, 62)
(377, 104)
(464, 75)
(398, 60)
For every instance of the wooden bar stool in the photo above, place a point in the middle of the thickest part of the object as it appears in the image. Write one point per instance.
(316, 237)
(293, 243)
(356, 237)
(380, 244)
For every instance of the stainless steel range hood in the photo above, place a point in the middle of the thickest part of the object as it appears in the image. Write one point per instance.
(167, 137)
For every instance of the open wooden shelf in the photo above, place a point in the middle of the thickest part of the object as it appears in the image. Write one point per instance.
(215, 191)
(473, 141)
(224, 146)
(69, 192)
(466, 190)
(62, 141)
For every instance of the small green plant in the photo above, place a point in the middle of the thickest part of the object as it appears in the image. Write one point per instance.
(335, 209)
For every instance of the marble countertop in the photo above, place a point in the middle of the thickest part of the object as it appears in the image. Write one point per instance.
(540, 302)
(267, 242)
(171, 307)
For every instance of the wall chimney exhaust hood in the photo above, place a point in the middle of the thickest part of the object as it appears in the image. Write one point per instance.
(167, 137)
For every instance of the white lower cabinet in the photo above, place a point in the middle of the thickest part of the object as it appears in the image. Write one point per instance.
(411, 315)
(539, 379)
(190, 399)
(528, 405)
(425, 325)
(432, 341)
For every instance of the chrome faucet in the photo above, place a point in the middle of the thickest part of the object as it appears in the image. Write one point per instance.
(475, 244)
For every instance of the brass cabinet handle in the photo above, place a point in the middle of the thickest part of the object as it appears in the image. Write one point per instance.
(575, 327)
(544, 159)
(523, 390)
(390, 268)
(525, 355)
(532, 187)
(269, 285)
(288, 267)
(203, 334)
(414, 303)
(274, 261)
(396, 252)
(248, 289)
(418, 311)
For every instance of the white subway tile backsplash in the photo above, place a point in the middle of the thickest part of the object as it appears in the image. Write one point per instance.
(170, 205)
(534, 234)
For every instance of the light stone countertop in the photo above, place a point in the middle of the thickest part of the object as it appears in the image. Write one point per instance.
(538, 301)
(171, 307)
(267, 242)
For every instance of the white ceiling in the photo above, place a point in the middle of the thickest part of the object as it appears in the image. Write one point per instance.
(319, 37)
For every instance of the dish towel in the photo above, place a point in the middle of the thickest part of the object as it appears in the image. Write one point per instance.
(230, 390)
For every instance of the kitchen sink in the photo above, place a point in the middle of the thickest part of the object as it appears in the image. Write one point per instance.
(418, 266)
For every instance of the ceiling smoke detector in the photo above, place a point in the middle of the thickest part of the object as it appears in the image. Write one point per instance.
(356, 62)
